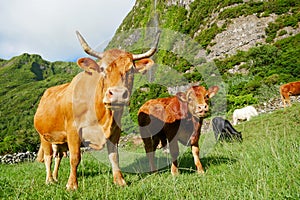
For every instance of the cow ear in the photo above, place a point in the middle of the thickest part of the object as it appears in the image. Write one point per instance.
(181, 96)
(88, 65)
(212, 91)
(143, 65)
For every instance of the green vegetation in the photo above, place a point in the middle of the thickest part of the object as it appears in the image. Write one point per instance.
(267, 66)
(282, 21)
(23, 79)
(263, 8)
(264, 166)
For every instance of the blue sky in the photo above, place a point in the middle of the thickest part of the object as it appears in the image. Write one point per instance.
(47, 27)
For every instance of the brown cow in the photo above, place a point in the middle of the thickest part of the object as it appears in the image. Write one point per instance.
(289, 89)
(173, 119)
(88, 109)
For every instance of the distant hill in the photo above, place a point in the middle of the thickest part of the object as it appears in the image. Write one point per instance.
(253, 45)
(23, 79)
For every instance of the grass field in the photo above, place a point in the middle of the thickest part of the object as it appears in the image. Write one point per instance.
(265, 166)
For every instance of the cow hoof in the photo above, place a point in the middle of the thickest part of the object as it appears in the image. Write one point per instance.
(154, 171)
(200, 172)
(71, 187)
(175, 172)
(50, 181)
(120, 182)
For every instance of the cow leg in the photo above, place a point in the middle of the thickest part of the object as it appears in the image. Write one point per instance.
(61, 151)
(75, 157)
(48, 154)
(174, 151)
(114, 160)
(195, 152)
(218, 131)
(150, 148)
(150, 141)
(289, 100)
(57, 160)
(150, 153)
(283, 100)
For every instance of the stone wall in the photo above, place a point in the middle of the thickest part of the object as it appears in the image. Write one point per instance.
(17, 158)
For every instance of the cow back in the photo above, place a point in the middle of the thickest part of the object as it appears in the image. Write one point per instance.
(167, 109)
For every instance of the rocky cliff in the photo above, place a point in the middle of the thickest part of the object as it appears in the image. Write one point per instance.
(234, 25)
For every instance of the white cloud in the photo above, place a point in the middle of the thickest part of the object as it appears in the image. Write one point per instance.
(47, 27)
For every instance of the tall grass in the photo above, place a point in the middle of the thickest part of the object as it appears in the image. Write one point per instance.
(266, 165)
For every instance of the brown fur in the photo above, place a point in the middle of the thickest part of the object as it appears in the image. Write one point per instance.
(173, 119)
(289, 89)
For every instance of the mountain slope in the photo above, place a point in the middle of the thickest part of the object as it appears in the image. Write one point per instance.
(253, 44)
(23, 79)
(236, 24)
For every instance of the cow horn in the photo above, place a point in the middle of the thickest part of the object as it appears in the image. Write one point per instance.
(87, 48)
(151, 51)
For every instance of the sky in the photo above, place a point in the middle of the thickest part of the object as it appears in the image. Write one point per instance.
(47, 27)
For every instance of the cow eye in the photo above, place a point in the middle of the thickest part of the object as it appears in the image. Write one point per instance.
(101, 69)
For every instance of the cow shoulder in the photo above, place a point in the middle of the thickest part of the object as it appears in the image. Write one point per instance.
(177, 108)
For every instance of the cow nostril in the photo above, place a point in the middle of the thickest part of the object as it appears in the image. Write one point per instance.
(203, 108)
(125, 95)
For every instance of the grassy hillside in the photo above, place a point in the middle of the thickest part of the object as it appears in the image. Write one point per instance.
(264, 166)
(23, 79)
(258, 71)
(186, 29)
(200, 22)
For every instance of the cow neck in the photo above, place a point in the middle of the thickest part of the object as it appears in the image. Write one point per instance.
(197, 119)
(197, 123)
(101, 111)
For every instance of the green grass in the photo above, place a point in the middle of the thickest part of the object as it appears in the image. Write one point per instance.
(265, 166)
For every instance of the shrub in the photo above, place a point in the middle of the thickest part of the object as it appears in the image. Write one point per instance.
(240, 101)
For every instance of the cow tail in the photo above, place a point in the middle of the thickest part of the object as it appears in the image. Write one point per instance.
(40, 155)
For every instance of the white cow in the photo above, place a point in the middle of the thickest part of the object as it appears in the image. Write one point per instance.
(244, 114)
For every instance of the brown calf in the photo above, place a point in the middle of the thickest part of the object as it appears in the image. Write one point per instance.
(174, 119)
(289, 89)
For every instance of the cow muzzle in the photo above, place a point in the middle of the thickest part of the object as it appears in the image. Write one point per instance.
(201, 110)
(116, 97)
